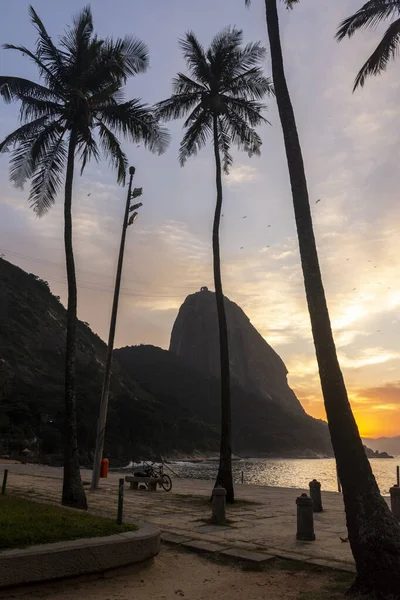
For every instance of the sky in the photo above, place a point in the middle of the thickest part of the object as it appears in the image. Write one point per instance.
(351, 148)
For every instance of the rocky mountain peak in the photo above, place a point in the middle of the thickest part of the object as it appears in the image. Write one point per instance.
(254, 364)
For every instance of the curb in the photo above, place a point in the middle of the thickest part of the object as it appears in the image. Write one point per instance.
(250, 556)
(47, 562)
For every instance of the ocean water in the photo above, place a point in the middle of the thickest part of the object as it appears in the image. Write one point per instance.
(295, 473)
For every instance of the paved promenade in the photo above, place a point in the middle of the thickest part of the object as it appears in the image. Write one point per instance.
(267, 526)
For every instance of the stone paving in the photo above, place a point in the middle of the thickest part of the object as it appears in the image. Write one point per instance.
(265, 522)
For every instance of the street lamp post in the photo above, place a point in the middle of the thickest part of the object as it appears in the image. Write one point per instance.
(101, 424)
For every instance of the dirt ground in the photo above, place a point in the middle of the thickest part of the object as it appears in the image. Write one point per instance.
(176, 574)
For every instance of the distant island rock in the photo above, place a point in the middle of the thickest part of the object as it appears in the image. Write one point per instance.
(376, 454)
(391, 445)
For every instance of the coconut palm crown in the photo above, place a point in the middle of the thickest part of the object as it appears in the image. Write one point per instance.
(370, 16)
(80, 91)
(225, 82)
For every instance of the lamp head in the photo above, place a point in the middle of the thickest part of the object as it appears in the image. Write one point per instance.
(135, 206)
(137, 192)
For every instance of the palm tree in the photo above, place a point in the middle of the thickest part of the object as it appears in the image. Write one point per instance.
(374, 534)
(77, 110)
(220, 98)
(369, 16)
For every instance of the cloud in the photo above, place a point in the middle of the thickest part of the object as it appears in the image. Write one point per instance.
(368, 357)
(239, 174)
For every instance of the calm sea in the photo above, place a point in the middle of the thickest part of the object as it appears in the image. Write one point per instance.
(288, 472)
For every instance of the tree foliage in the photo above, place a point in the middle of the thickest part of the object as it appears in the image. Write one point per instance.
(226, 80)
(80, 89)
(369, 16)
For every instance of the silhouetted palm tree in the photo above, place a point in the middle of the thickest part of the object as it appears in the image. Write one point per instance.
(220, 98)
(374, 534)
(77, 109)
(368, 17)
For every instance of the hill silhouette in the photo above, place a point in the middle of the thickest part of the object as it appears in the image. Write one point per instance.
(32, 342)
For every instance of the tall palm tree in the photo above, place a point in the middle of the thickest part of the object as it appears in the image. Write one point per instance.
(77, 109)
(374, 534)
(369, 16)
(220, 97)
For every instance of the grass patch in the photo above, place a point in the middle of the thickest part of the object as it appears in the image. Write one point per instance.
(26, 523)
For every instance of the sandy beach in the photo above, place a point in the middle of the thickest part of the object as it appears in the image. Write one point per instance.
(176, 574)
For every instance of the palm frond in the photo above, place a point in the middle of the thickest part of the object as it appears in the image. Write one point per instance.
(46, 50)
(137, 122)
(29, 152)
(249, 110)
(194, 55)
(368, 16)
(48, 177)
(182, 84)
(5, 93)
(109, 94)
(242, 136)
(193, 116)
(224, 144)
(31, 108)
(113, 152)
(223, 55)
(379, 59)
(87, 146)
(77, 40)
(196, 137)
(15, 88)
(251, 56)
(23, 133)
(114, 61)
(290, 3)
(134, 55)
(223, 43)
(176, 106)
(43, 69)
(250, 84)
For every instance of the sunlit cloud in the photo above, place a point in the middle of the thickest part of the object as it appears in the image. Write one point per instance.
(239, 174)
(368, 356)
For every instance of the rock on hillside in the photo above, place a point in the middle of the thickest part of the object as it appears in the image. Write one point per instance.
(255, 366)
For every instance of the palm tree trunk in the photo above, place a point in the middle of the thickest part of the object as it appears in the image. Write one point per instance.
(224, 476)
(73, 493)
(374, 534)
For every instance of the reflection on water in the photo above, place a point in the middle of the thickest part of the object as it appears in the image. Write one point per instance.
(288, 472)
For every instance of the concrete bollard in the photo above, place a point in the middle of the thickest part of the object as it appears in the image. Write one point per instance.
(219, 505)
(315, 494)
(305, 519)
(395, 501)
